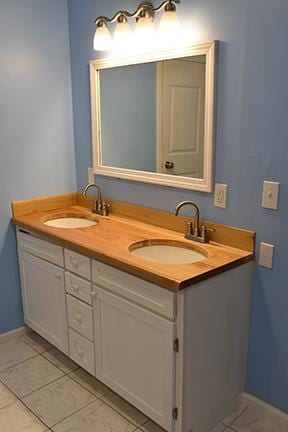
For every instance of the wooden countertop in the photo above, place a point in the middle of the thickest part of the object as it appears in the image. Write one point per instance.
(109, 242)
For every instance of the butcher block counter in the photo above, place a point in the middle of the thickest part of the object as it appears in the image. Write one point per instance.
(113, 237)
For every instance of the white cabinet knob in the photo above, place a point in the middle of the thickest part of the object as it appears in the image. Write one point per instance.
(93, 294)
(74, 262)
(75, 287)
(78, 318)
(79, 352)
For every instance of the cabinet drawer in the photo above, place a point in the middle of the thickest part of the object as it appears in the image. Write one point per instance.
(80, 317)
(78, 287)
(144, 293)
(40, 248)
(77, 263)
(82, 351)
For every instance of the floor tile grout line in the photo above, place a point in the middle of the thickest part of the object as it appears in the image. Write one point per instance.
(17, 364)
(65, 373)
(22, 403)
(31, 346)
(234, 430)
(105, 403)
(40, 388)
(134, 424)
(68, 374)
(236, 418)
(18, 399)
(71, 415)
(75, 380)
(60, 421)
(34, 414)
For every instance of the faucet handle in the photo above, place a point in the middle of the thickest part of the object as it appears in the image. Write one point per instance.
(189, 228)
(204, 230)
(105, 208)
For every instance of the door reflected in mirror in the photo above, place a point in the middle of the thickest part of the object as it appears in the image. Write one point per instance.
(153, 117)
(158, 116)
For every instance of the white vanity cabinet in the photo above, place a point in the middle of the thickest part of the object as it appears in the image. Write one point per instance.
(43, 289)
(177, 356)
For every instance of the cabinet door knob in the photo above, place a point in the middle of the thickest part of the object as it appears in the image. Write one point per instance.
(75, 287)
(78, 318)
(59, 276)
(93, 294)
(80, 353)
(74, 263)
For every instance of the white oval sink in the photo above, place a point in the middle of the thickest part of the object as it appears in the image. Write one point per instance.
(70, 222)
(170, 253)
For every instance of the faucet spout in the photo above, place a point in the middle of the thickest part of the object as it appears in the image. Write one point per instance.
(197, 214)
(88, 186)
(99, 206)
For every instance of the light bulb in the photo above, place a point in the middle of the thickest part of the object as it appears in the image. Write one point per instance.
(169, 27)
(122, 34)
(102, 38)
(145, 32)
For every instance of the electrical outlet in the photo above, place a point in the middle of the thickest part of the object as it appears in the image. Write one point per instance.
(220, 197)
(90, 175)
(266, 255)
(270, 195)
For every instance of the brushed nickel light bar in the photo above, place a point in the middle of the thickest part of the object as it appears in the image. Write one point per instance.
(144, 16)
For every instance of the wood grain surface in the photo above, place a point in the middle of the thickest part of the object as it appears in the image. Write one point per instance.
(110, 242)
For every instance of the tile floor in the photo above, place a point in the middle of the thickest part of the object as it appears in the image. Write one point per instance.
(43, 390)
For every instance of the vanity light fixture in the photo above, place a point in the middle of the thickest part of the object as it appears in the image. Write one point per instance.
(144, 31)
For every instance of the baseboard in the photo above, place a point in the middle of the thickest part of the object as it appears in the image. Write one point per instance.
(21, 331)
(265, 409)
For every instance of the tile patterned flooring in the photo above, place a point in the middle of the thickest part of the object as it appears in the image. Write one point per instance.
(43, 390)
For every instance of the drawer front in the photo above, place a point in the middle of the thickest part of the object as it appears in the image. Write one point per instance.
(80, 317)
(144, 293)
(78, 287)
(77, 263)
(82, 351)
(40, 248)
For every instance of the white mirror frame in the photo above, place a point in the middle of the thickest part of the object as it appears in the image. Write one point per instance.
(206, 183)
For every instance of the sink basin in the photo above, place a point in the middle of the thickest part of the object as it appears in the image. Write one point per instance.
(166, 251)
(70, 221)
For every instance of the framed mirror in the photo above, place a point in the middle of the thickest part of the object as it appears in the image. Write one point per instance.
(153, 117)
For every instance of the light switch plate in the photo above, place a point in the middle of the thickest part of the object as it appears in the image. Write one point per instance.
(220, 197)
(266, 255)
(90, 175)
(270, 195)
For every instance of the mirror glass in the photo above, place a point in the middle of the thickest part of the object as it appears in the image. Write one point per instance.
(152, 116)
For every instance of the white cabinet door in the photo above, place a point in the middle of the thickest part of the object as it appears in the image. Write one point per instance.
(43, 292)
(134, 355)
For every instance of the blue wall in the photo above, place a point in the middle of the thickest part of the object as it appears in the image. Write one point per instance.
(128, 94)
(36, 129)
(251, 145)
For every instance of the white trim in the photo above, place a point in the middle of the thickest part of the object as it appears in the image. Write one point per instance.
(265, 410)
(14, 334)
(203, 185)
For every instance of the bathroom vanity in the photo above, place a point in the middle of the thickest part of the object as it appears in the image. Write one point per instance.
(169, 338)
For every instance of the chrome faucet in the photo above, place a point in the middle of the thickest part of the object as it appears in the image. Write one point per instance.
(99, 206)
(197, 234)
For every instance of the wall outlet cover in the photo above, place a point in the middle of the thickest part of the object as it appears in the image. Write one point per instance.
(220, 197)
(266, 255)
